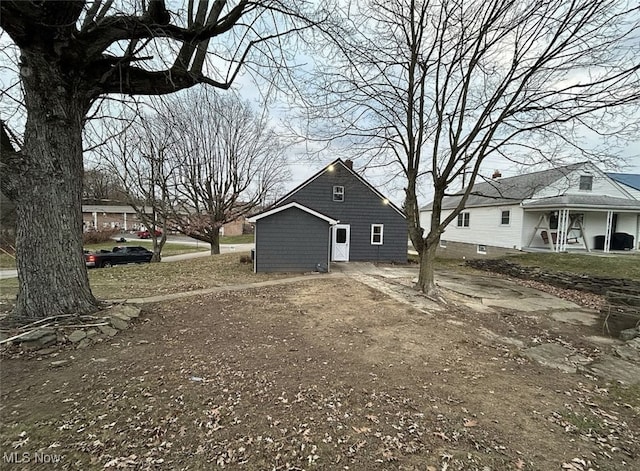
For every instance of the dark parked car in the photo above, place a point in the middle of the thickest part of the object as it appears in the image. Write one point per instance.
(147, 235)
(117, 256)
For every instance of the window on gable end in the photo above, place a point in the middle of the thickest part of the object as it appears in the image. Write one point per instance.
(377, 231)
(586, 182)
(338, 193)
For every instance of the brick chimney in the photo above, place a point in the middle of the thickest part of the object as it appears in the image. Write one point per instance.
(349, 164)
(496, 174)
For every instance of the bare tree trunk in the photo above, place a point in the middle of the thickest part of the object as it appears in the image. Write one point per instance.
(215, 242)
(48, 199)
(426, 282)
(429, 246)
(157, 245)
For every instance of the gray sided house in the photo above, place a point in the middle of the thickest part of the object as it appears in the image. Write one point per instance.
(335, 215)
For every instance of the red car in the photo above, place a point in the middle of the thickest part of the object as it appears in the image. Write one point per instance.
(147, 235)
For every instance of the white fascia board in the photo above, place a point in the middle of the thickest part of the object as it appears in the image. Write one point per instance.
(331, 221)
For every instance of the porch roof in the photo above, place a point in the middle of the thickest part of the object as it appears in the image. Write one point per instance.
(586, 202)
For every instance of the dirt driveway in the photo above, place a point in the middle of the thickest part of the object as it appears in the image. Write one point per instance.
(328, 373)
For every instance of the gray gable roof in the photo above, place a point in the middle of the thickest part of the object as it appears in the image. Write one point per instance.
(629, 179)
(509, 190)
(339, 161)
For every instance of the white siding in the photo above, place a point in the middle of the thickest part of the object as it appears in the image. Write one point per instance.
(570, 185)
(635, 193)
(484, 227)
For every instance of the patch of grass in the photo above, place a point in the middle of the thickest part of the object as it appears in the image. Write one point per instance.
(151, 279)
(7, 261)
(445, 263)
(625, 266)
(582, 423)
(628, 394)
(240, 239)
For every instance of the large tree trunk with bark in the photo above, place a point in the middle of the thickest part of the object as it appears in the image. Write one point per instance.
(429, 245)
(215, 241)
(426, 280)
(47, 192)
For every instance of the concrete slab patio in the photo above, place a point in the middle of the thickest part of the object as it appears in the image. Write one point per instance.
(489, 294)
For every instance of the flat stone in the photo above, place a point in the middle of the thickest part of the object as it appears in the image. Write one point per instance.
(118, 323)
(108, 330)
(629, 351)
(628, 334)
(37, 334)
(501, 339)
(59, 363)
(76, 336)
(125, 312)
(84, 343)
(92, 333)
(555, 356)
(45, 341)
(130, 311)
(47, 351)
(600, 340)
(576, 317)
(615, 369)
(530, 304)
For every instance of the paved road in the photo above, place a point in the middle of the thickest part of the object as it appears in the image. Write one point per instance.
(224, 248)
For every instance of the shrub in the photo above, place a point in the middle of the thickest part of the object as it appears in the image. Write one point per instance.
(245, 259)
(98, 237)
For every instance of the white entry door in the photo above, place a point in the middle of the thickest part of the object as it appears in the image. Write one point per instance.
(341, 236)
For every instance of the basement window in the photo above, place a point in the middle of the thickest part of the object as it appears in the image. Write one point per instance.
(482, 249)
(443, 243)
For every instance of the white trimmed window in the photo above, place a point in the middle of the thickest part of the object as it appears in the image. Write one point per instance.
(482, 249)
(338, 193)
(463, 219)
(377, 234)
(586, 182)
(505, 218)
(443, 243)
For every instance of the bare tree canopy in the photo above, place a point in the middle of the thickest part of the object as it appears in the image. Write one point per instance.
(230, 162)
(141, 160)
(199, 160)
(71, 53)
(437, 87)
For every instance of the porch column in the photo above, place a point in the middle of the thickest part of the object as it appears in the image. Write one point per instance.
(125, 221)
(607, 236)
(636, 242)
(95, 221)
(563, 226)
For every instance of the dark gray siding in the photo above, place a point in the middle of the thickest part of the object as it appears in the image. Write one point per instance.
(361, 208)
(291, 241)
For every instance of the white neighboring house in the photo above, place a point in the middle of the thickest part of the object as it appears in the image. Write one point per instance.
(576, 207)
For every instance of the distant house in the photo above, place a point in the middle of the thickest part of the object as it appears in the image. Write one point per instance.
(336, 215)
(110, 215)
(575, 207)
(121, 216)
